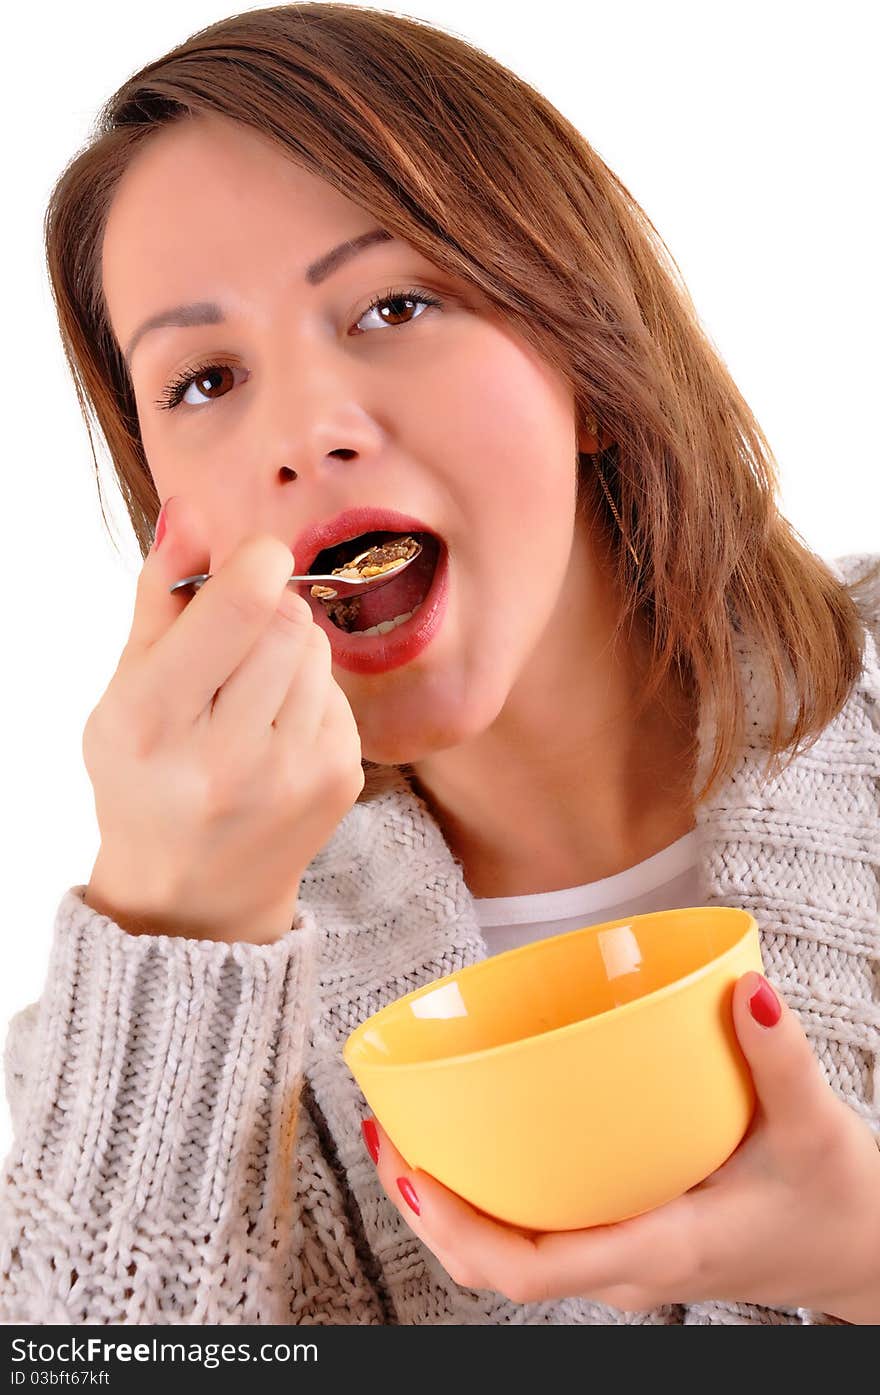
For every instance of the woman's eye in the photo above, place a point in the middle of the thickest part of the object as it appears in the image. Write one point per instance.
(396, 301)
(198, 386)
(207, 378)
(195, 387)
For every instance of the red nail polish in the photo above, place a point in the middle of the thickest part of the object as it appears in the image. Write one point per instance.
(408, 1192)
(371, 1138)
(161, 525)
(764, 1005)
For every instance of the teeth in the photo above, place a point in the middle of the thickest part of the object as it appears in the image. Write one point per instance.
(386, 626)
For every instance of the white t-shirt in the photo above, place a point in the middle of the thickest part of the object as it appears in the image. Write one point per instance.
(665, 882)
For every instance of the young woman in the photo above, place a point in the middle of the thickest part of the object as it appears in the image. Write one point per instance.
(325, 272)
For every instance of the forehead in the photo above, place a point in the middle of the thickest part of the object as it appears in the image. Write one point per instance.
(206, 194)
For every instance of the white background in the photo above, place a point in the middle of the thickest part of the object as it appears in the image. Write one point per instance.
(745, 130)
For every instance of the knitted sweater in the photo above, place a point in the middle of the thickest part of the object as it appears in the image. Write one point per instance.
(187, 1136)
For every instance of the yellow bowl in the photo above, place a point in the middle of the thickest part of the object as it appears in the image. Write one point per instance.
(578, 1080)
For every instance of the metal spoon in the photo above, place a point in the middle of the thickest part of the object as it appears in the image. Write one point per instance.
(342, 586)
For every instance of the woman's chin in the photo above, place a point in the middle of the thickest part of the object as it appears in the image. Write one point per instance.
(397, 732)
(405, 748)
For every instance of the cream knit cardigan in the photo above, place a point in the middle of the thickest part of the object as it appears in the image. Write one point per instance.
(187, 1137)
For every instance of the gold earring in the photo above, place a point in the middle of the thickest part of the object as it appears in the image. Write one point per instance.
(591, 426)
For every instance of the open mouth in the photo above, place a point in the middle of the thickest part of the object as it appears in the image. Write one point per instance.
(382, 610)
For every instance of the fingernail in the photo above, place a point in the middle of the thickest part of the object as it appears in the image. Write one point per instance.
(764, 1005)
(408, 1192)
(161, 525)
(371, 1138)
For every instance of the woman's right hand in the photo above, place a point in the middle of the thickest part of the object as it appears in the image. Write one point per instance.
(223, 753)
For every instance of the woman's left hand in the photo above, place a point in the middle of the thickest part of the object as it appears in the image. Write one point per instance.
(791, 1219)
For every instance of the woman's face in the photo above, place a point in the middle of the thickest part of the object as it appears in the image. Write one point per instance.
(440, 413)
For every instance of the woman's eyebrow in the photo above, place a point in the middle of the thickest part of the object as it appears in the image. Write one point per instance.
(207, 312)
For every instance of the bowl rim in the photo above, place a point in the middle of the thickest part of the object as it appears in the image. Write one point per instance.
(750, 929)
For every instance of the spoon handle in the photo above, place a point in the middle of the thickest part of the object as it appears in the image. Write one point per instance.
(342, 586)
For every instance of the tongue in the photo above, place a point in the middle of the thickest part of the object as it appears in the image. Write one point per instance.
(404, 592)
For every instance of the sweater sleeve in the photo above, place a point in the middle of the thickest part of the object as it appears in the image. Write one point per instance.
(858, 567)
(154, 1092)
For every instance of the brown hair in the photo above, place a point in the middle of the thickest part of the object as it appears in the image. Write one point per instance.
(463, 159)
